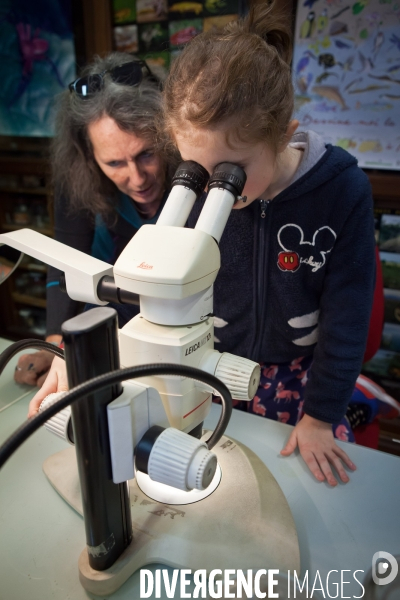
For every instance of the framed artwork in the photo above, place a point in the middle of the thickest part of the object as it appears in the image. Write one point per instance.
(126, 38)
(151, 10)
(346, 73)
(165, 26)
(38, 62)
(153, 37)
(181, 32)
(124, 11)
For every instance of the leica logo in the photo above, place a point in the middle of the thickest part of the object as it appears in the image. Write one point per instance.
(144, 265)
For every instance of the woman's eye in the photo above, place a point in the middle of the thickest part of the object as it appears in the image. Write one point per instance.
(114, 163)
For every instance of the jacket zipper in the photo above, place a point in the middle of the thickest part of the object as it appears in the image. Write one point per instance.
(263, 226)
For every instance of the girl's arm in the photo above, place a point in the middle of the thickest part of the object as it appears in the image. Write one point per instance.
(345, 309)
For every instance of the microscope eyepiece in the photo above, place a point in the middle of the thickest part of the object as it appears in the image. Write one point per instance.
(191, 175)
(229, 177)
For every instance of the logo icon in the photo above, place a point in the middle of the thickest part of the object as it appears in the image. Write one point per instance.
(384, 568)
(144, 265)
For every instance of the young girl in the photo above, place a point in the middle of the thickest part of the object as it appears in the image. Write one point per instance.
(297, 258)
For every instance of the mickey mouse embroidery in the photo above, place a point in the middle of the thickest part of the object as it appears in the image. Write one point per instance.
(296, 250)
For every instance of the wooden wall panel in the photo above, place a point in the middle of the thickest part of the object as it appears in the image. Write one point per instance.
(97, 18)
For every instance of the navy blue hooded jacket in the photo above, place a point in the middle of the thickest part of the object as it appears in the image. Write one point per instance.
(297, 277)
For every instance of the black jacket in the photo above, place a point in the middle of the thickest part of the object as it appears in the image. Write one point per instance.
(297, 277)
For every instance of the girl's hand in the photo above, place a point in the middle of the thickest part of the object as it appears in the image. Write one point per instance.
(319, 450)
(56, 381)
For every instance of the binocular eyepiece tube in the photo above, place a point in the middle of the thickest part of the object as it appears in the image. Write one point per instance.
(225, 185)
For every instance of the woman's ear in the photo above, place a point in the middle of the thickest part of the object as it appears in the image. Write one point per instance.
(290, 131)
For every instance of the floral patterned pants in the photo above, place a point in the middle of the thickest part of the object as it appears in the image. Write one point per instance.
(280, 396)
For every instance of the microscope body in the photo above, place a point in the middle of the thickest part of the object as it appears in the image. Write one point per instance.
(173, 269)
(175, 323)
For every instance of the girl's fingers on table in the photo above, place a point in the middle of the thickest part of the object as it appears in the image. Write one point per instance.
(326, 469)
(345, 458)
(312, 463)
(290, 445)
(337, 463)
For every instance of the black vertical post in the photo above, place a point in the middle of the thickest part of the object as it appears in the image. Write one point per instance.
(91, 349)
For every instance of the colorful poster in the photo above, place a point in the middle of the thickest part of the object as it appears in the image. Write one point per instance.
(157, 59)
(153, 37)
(346, 70)
(126, 38)
(390, 262)
(181, 32)
(389, 233)
(37, 63)
(184, 10)
(151, 10)
(124, 11)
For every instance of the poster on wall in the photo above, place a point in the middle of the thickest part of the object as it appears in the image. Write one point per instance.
(346, 70)
(37, 63)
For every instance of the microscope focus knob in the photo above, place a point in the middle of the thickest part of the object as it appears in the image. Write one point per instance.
(60, 424)
(175, 458)
(240, 375)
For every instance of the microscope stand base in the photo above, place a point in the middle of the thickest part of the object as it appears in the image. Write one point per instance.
(245, 523)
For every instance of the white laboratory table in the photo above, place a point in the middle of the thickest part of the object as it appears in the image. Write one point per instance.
(41, 537)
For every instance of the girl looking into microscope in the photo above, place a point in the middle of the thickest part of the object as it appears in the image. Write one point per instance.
(295, 287)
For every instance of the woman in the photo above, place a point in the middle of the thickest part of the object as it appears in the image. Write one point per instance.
(109, 176)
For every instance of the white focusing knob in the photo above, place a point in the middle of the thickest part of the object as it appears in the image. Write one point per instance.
(181, 461)
(60, 423)
(240, 375)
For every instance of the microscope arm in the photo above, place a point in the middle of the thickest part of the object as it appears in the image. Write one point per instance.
(82, 272)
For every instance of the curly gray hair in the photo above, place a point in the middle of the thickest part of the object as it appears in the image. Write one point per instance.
(135, 109)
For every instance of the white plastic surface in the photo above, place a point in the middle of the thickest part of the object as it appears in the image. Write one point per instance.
(168, 262)
(172, 460)
(202, 469)
(186, 311)
(240, 375)
(169, 495)
(177, 207)
(82, 272)
(215, 213)
(142, 342)
(129, 417)
(59, 423)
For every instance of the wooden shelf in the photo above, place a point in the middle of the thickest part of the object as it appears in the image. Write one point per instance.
(385, 187)
(29, 300)
(39, 191)
(46, 231)
(19, 333)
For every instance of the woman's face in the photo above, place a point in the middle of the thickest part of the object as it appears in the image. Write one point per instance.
(129, 161)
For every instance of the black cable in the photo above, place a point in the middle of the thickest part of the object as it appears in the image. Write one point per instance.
(97, 383)
(12, 350)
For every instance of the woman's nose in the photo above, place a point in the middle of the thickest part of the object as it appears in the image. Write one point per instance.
(136, 175)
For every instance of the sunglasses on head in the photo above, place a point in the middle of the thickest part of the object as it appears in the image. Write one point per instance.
(130, 73)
